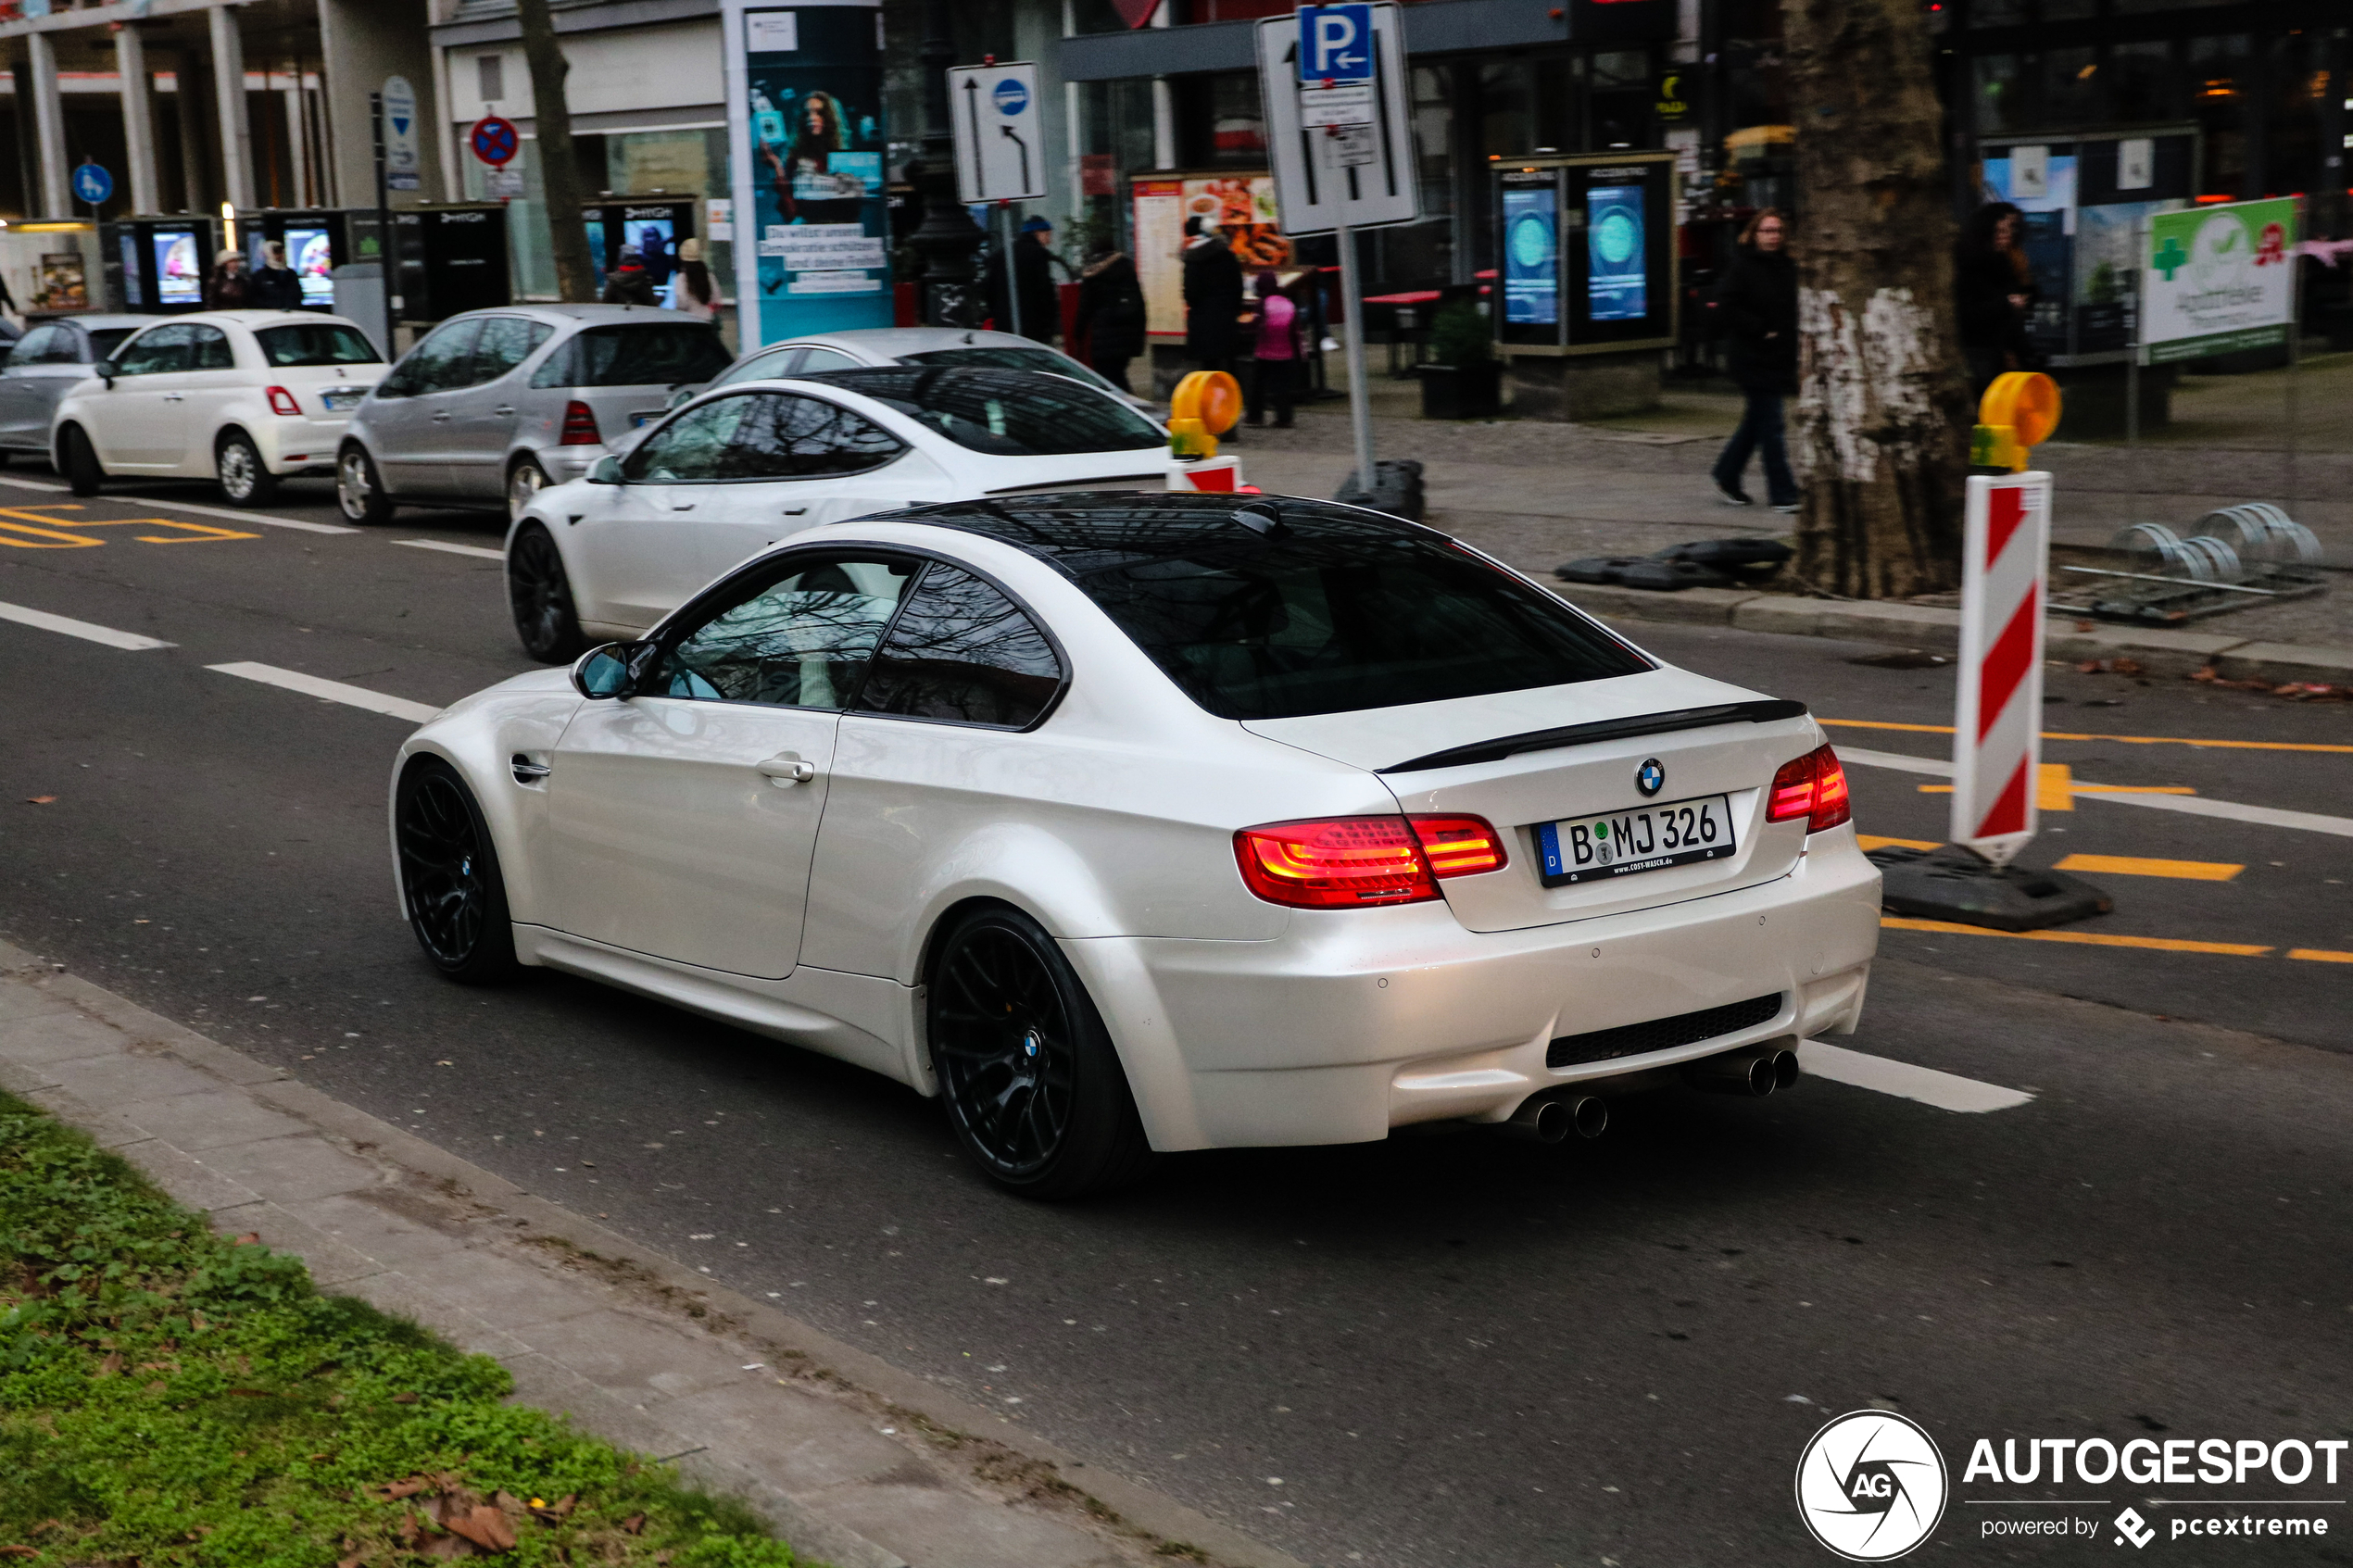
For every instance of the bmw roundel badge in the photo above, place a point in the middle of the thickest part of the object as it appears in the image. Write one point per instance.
(1650, 778)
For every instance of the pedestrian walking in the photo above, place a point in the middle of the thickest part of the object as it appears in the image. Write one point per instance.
(627, 283)
(1758, 299)
(274, 285)
(693, 290)
(1274, 378)
(227, 287)
(1111, 315)
(1034, 263)
(1992, 294)
(1214, 302)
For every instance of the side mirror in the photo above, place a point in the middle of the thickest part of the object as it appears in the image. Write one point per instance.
(607, 472)
(105, 371)
(602, 672)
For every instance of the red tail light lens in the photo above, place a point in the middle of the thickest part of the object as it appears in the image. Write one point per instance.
(1812, 786)
(1459, 845)
(1348, 862)
(580, 426)
(283, 402)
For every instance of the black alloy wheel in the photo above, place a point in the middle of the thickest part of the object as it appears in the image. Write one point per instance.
(540, 595)
(1027, 1073)
(80, 460)
(449, 881)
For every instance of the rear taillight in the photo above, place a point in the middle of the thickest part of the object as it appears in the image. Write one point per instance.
(1347, 862)
(580, 426)
(1812, 786)
(283, 402)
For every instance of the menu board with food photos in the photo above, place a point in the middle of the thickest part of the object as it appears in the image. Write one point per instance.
(1241, 207)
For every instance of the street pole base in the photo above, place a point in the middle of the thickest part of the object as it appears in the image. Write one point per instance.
(1397, 489)
(1958, 884)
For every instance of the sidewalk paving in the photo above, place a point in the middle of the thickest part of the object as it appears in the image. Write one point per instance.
(855, 1463)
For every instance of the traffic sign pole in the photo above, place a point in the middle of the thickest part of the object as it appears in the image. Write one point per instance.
(1360, 408)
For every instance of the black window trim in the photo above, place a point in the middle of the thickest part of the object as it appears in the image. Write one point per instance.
(741, 389)
(667, 639)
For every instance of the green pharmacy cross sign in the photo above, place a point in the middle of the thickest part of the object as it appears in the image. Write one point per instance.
(2219, 279)
(2170, 258)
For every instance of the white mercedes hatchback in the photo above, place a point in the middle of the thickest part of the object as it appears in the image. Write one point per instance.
(738, 468)
(242, 397)
(1125, 823)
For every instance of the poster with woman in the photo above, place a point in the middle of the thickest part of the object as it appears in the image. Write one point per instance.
(807, 122)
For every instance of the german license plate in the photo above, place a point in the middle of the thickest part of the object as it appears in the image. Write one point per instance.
(351, 399)
(1645, 838)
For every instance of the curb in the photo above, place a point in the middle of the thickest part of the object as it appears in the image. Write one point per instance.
(560, 1300)
(1937, 630)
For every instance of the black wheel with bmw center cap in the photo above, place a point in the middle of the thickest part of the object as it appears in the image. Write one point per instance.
(450, 884)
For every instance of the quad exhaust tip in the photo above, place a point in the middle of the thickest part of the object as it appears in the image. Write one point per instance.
(1754, 1072)
(1549, 1119)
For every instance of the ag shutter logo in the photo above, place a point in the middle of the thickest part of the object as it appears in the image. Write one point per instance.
(1871, 1486)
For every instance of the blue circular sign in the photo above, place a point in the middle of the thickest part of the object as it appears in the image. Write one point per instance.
(92, 184)
(1011, 97)
(495, 140)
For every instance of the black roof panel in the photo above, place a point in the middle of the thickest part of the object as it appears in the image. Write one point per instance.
(1082, 532)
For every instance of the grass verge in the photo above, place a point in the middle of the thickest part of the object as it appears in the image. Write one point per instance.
(170, 1396)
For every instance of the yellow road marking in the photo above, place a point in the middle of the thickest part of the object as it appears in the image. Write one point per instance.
(2320, 955)
(2086, 939)
(1873, 841)
(2134, 865)
(2126, 740)
(2054, 788)
(2049, 793)
(187, 533)
(61, 541)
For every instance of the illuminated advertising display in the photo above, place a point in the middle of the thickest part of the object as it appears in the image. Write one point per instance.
(1531, 257)
(1617, 271)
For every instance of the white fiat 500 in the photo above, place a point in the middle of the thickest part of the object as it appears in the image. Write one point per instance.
(243, 397)
(734, 471)
(1125, 823)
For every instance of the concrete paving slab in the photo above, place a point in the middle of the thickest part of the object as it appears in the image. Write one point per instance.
(57, 1034)
(551, 1385)
(28, 1002)
(18, 1079)
(506, 1294)
(2286, 661)
(201, 1122)
(122, 1077)
(799, 1443)
(929, 1524)
(397, 1292)
(631, 1357)
(181, 1174)
(285, 1170)
(360, 1219)
(330, 1262)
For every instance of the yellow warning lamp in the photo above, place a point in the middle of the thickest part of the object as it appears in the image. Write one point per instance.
(1205, 405)
(2017, 413)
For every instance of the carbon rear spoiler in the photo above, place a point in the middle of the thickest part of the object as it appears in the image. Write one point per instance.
(1763, 712)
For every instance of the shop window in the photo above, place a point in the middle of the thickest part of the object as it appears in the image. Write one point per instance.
(1506, 107)
(2142, 82)
(2071, 88)
(1621, 99)
(1996, 94)
(1996, 13)
(1219, 122)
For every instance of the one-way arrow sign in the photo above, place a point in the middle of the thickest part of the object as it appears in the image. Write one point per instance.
(996, 129)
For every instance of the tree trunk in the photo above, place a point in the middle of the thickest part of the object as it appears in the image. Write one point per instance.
(1881, 432)
(558, 168)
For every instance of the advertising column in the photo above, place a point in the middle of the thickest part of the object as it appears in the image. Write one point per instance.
(806, 136)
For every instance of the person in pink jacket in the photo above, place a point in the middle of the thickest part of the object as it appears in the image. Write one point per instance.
(1274, 378)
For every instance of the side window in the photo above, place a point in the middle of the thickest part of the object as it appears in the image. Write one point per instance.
(212, 350)
(824, 359)
(798, 634)
(436, 364)
(963, 652)
(762, 367)
(158, 351)
(506, 342)
(693, 448)
(793, 437)
(558, 369)
(40, 345)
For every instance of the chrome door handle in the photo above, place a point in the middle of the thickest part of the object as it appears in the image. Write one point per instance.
(502, 413)
(525, 770)
(174, 397)
(441, 416)
(785, 769)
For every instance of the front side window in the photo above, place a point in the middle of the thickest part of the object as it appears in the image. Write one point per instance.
(40, 346)
(659, 354)
(1005, 413)
(1275, 627)
(963, 652)
(796, 634)
(506, 342)
(692, 448)
(319, 342)
(158, 351)
(760, 366)
(436, 365)
(786, 436)
(212, 350)
(816, 360)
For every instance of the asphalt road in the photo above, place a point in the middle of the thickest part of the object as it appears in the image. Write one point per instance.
(1439, 1349)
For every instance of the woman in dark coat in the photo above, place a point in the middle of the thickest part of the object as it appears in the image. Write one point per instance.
(1992, 290)
(1111, 315)
(1758, 298)
(1212, 299)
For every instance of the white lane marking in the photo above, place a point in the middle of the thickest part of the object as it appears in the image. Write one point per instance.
(87, 630)
(477, 550)
(2194, 805)
(265, 519)
(331, 691)
(1943, 1090)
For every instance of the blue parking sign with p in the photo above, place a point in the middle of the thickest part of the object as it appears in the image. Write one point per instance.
(1336, 43)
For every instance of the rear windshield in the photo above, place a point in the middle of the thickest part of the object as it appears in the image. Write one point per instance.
(1005, 413)
(1004, 357)
(320, 343)
(659, 354)
(104, 339)
(1282, 627)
